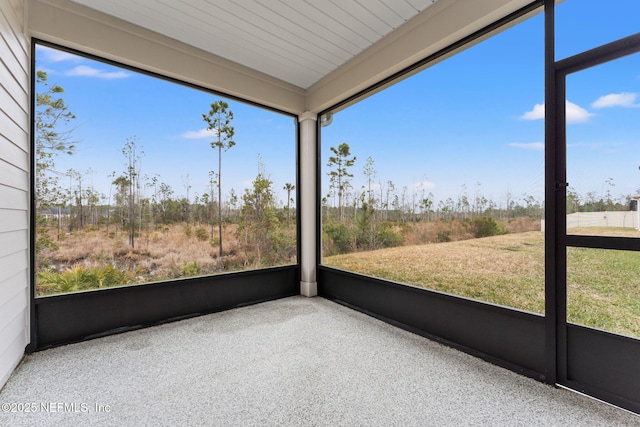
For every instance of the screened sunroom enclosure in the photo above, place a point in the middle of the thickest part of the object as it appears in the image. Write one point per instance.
(436, 177)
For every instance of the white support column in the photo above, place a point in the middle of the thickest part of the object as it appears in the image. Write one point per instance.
(308, 213)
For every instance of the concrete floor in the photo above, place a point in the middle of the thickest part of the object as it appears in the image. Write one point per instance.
(295, 361)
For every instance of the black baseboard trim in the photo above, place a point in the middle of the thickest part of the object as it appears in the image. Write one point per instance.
(63, 319)
(604, 365)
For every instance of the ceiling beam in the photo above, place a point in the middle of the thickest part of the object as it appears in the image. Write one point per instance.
(78, 27)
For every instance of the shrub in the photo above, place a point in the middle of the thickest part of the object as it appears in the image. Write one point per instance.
(444, 236)
(80, 278)
(387, 236)
(190, 269)
(43, 240)
(340, 235)
(283, 245)
(201, 234)
(484, 227)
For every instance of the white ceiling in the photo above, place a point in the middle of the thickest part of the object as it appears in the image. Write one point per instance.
(298, 41)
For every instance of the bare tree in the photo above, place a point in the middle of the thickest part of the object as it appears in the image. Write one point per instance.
(133, 172)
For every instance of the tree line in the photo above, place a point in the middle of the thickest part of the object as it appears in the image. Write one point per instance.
(138, 202)
(404, 204)
(368, 217)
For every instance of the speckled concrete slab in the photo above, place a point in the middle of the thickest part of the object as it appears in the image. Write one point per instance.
(294, 361)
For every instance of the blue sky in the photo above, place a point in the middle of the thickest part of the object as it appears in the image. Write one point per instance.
(475, 118)
(113, 105)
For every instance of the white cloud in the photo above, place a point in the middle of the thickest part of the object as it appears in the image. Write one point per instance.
(424, 185)
(199, 134)
(86, 71)
(535, 114)
(624, 99)
(55, 55)
(535, 146)
(575, 113)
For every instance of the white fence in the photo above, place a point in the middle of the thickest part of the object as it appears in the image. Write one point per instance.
(624, 219)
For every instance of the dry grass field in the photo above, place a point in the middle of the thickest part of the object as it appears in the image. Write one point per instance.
(92, 259)
(603, 285)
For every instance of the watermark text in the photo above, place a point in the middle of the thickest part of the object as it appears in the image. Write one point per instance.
(54, 407)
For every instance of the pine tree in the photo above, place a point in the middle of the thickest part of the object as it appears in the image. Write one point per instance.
(340, 176)
(219, 120)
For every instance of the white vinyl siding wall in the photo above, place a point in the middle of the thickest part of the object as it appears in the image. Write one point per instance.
(14, 187)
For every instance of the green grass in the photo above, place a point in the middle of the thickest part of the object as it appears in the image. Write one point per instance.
(603, 289)
(603, 285)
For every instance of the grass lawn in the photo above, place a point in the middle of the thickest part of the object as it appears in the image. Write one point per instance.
(603, 285)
